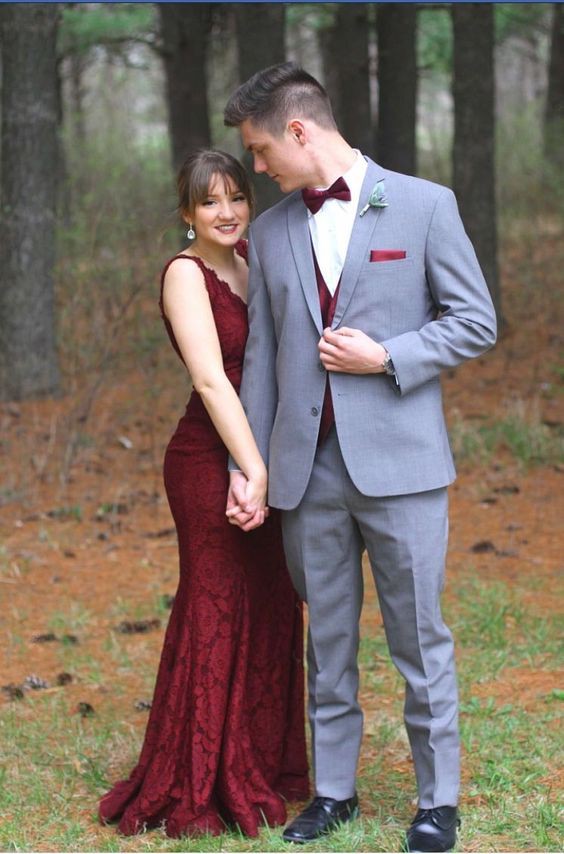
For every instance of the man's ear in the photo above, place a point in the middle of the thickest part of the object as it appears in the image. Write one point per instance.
(296, 128)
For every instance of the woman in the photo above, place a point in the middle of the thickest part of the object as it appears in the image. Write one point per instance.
(225, 740)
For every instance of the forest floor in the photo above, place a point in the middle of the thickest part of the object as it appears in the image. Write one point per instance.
(88, 555)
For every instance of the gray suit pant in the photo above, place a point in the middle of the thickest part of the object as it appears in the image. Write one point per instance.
(406, 538)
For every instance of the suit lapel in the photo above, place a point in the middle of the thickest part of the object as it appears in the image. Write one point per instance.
(359, 243)
(300, 243)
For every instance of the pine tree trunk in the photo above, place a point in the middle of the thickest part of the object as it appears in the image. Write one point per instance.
(260, 43)
(260, 36)
(554, 113)
(28, 358)
(397, 86)
(474, 134)
(329, 46)
(185, 29)
(76, 63)
(351, 63)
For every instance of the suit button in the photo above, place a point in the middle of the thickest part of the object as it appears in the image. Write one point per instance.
(314, 410)
(321, 366)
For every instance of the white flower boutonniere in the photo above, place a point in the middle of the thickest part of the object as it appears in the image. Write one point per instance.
(377, 198)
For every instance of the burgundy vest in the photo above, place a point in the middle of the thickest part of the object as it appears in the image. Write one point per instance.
(328, 304)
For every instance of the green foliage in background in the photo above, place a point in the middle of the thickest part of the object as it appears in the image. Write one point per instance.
(526, 20)
(316, 15)
(119, 228)
(434, 38)
(84, 26)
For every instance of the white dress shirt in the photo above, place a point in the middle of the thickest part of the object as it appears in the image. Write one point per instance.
(331, 226)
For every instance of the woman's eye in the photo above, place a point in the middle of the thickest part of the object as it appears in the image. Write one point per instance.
(239, 198)
(208, 202)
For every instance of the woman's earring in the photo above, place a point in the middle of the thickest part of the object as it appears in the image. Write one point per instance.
(190, 234)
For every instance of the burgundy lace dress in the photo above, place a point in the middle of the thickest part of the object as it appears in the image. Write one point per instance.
(225, 740)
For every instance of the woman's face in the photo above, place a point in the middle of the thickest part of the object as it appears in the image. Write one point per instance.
(223, 216)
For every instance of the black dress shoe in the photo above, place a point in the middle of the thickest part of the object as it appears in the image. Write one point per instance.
(433, 830)
(321, 817)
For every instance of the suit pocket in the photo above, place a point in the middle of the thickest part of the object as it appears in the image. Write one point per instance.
(381, 268)
(386, 255)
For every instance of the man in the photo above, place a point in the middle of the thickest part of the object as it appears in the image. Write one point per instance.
(358, 298)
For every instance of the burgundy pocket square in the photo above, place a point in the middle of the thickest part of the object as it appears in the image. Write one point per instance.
(387, 254)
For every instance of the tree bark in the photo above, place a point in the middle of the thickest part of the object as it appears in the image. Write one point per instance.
(554, 113)
(397, 86)
(474, 134)
(28, 358)
(260, 36)
(260, 43)
(328, 45)
(185, 29)
(351, 61)
(76, 67)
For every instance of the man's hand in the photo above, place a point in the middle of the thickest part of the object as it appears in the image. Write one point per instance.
(350, 351)
(246, 502)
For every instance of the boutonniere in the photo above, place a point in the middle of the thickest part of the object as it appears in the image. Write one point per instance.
(377, 198)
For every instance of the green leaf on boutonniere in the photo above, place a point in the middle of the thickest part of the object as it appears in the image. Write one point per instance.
(377, 198)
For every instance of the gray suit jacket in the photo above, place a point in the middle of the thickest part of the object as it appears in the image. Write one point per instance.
(431, 311)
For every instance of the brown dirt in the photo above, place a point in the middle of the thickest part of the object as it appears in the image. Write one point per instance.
(114, 565)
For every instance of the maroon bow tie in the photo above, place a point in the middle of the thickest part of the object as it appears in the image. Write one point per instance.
(314, 198)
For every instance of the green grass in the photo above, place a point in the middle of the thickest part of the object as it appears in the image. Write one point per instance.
(54, 765)
(73, 621)
(491, 622)
(63, 513)
(526, 438)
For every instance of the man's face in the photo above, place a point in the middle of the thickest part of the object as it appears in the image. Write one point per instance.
(281, 157)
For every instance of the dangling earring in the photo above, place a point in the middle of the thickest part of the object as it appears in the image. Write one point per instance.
(190, 234)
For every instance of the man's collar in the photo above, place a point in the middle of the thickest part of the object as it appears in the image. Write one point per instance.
(355, 175)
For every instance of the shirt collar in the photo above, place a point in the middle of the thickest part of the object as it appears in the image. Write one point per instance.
(354, 176)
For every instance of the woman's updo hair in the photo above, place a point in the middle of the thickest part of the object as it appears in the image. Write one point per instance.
(196, 173)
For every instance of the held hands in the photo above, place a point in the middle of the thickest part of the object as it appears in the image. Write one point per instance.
(246, 501)
(350, 351)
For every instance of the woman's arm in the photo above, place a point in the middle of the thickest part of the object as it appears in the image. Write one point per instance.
(187, 307)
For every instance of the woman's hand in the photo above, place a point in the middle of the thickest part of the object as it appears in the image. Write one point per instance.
(246, 500)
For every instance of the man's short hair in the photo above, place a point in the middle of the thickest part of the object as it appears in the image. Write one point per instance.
(274, 95)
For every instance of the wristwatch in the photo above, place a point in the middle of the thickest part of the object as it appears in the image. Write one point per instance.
(388, 365)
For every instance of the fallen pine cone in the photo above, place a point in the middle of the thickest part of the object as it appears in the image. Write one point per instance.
(85, 710)
(131, 627)
(13, 691)
(36, 683)
(483, 547)
(47, 637)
